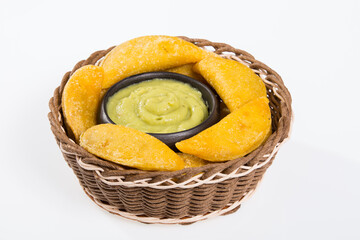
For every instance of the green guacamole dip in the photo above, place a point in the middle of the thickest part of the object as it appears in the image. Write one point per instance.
(158, 106)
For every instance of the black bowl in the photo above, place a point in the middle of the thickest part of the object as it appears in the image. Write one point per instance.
(210, 98)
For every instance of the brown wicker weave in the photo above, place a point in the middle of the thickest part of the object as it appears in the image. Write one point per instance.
(184, 196)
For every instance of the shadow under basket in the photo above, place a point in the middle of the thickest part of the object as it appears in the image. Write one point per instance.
(188, 195)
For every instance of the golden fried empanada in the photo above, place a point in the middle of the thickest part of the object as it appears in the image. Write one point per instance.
(191, 160)
(236, 135)
(81, 99)
(146, 54)
(235, 83)
(130, 147)
(187, 70)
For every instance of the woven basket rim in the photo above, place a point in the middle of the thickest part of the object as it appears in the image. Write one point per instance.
(115, 173)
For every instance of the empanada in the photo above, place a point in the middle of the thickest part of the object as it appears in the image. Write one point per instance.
(130, 147)
(81, 99)
(236, 135)
(235, 83)
(147, 54)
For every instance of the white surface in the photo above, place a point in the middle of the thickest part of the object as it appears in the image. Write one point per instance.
(310, 192)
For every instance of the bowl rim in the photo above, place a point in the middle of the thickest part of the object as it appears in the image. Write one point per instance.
(147, 76)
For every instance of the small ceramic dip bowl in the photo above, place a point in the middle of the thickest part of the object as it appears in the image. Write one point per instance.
(210, 98)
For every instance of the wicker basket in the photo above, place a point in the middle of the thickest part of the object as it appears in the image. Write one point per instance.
(187, 195)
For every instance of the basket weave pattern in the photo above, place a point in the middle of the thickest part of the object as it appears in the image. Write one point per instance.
(187, 195)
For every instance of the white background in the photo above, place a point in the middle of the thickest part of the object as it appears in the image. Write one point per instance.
(310, 192)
